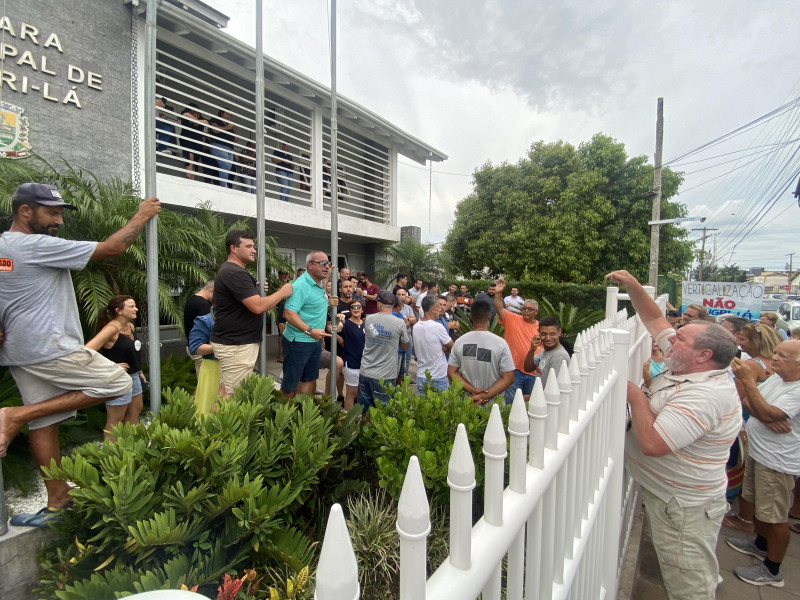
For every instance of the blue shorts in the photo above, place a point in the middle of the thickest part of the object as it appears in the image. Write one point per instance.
(369, 390)
(522, 381)
(300, 363)
(126, 399)
(439, 384)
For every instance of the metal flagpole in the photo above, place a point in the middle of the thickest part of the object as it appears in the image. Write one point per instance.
(153, 333)
(334, 198)
(261, 265)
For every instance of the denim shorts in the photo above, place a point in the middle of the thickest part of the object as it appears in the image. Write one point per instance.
(135, 391)
(300, 363)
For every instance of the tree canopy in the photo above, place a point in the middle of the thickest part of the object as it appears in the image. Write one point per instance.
(567, 214)
(413, 258)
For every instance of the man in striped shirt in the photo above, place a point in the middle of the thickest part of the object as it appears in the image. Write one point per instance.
(682, 427)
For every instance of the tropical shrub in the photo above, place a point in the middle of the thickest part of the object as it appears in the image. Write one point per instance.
(194, 497)
(582, 296)
(573, 319)
(423, 426)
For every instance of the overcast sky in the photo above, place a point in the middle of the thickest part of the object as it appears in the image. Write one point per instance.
(481, 81)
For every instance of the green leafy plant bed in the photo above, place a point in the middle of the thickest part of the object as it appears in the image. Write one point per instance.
(424, 426)
(192, 498)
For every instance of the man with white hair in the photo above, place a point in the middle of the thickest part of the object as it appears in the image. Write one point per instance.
(676, 448)
(774, 461)
(305, 313)
(520, 330)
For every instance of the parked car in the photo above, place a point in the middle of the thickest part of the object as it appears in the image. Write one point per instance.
(789, 311)
(769, 305)
(777, 296)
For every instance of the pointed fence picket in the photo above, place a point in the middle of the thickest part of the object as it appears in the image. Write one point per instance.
(563, 523)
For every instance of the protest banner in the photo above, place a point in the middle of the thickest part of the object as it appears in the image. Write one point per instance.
(722, 297)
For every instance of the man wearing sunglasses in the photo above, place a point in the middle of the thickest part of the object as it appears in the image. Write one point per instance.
(677, 447)
(305, 313)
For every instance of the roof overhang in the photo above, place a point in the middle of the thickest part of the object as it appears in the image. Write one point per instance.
(192, 19)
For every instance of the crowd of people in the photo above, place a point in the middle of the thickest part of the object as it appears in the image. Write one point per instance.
(379, 333)
(688, 450)
(704, 379)
(213, 150)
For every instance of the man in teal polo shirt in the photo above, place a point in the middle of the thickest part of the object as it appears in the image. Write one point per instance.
(305, 313)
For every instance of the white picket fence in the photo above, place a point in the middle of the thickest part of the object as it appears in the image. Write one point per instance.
(564, 520)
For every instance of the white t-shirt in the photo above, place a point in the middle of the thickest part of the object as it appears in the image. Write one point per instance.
(698, 416)
(778, 451)
(429, 337)
(514, 303)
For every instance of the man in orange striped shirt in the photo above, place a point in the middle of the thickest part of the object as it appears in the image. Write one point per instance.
(681, 429)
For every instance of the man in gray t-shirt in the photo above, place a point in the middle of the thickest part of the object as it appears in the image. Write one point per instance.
(481, 359)
(384, 334)
(551, 358)
(41, 340)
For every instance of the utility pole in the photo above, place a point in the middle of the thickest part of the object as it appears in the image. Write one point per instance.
(655, 229)
(703, 249)
(789, 274)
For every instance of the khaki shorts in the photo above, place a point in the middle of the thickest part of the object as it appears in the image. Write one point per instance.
(769, 490)
(235, 363)
(197, 359)
(83, 370)
(685, 540)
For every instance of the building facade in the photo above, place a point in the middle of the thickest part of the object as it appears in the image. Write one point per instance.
(72, 89)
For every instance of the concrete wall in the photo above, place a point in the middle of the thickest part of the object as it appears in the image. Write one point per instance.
(48, 75)
(19, 567)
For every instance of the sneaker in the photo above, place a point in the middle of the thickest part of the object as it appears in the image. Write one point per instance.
(746, 547)
(759, 574)
(42, 518)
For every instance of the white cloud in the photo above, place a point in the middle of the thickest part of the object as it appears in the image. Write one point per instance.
(482, 81)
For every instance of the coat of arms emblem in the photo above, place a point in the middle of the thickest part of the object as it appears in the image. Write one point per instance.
(13, 132)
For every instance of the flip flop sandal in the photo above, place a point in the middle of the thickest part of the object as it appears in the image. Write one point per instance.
(42, 518)
(795, 528)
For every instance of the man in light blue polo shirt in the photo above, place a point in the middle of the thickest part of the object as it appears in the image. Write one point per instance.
(305, 312)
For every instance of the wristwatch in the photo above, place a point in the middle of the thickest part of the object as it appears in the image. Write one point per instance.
(308, 332)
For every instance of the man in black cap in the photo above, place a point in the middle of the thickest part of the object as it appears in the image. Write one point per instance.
(42, 340)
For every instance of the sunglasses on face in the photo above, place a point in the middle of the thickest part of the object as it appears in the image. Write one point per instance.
(356, 307)
(322, 263)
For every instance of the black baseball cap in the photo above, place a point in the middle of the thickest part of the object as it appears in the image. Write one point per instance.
(41, 193)
(385, 297)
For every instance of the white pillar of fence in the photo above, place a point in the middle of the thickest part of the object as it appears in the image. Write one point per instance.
(337, 571)
(494, 449)
(537, 416)
(616, 439)
(519, 430)
(565, 387)
(461, 479)
(413, 526)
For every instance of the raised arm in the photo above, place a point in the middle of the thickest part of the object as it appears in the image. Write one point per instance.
(647, 309)
(121, 240)
(500, 287)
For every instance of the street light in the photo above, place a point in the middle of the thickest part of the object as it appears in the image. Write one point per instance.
(678, 220)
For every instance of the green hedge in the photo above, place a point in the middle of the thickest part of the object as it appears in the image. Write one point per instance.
(582, 296)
